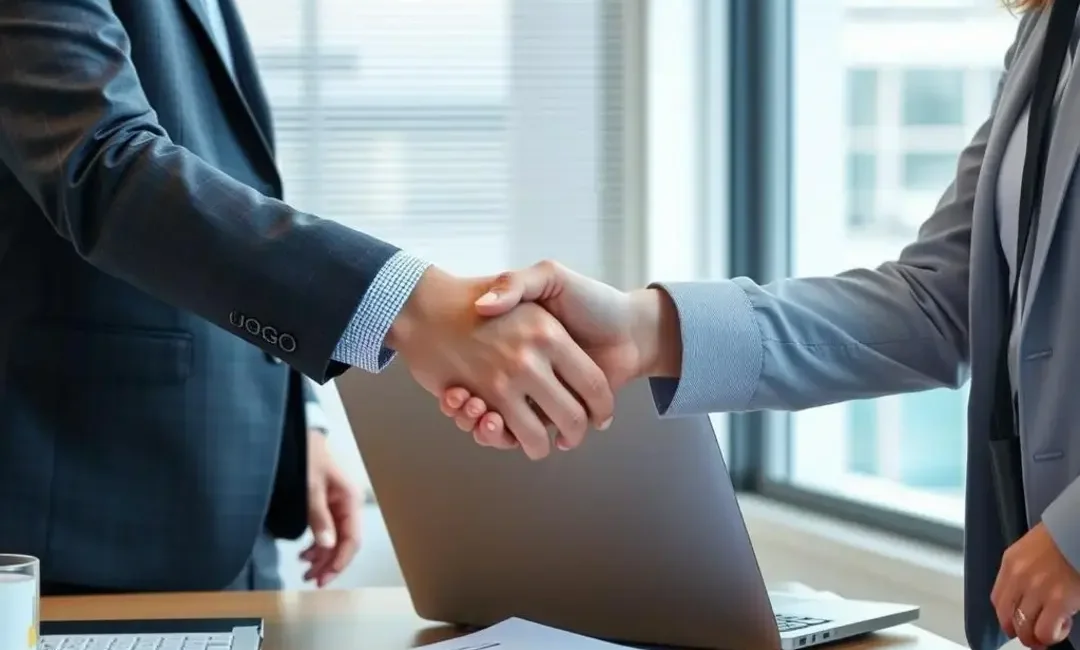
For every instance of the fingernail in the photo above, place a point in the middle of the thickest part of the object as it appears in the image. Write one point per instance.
(326, 539)
(488, 298)
(454, 401)
(605, 424)
(490, 426)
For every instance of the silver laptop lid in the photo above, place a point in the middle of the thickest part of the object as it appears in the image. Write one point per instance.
(635, 536)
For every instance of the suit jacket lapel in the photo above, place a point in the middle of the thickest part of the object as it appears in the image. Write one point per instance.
(246, 74)
(1060, 164)
(988, 265)
(1013, 99)
(227, 81)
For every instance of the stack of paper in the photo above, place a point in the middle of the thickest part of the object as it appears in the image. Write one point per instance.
(519, 634)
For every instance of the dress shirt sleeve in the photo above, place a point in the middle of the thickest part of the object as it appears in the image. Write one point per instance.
(361, 345)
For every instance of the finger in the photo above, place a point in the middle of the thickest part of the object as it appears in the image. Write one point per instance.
(526, 427)
(1025, 617)
(1054, 622)
(1005, 597)
(578, 371)
(319, 518)
(310, 553)
(503, 441)
(491, 423)
(322, 529)
(347, 516)
(452, 401)
(559, 404)
(470, 413)
(491, 431)
(317, 568)
(538, 282)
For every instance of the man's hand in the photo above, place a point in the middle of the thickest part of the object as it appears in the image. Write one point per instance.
(629, 335)
(333, 514)
(517, 362)
(1037, 591)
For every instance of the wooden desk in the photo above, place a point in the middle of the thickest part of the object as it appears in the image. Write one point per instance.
(363, 619)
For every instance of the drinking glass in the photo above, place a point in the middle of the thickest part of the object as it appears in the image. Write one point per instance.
(19, 601)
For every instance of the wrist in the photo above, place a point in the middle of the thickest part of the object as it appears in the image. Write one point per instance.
(656, 333)
(438, 298)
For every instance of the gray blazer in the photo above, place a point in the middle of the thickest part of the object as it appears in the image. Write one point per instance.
(921, 322)
(144, 439)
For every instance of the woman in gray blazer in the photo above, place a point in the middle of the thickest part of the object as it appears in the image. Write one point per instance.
(988, 290)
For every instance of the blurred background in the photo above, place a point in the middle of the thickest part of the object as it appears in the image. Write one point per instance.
(668, 139)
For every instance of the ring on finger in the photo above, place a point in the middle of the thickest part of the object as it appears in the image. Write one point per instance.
(1019, 619)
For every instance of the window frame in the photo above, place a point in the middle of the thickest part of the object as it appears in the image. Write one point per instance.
(759, 35)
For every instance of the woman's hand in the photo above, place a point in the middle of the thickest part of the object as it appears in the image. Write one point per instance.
(1037, 591)
(628, 335)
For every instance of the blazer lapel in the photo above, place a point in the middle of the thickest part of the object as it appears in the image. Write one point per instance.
(987, 261)
(1013, 99)
(245, 72)
(1060, 164)
(228, 85)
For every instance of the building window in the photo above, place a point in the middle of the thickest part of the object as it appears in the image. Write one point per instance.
(876, 121)
(928, 171)
(862, 97)
(933, 97)
(861, 188)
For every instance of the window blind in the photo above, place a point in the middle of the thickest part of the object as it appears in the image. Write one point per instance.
(475, 133)
(479, 134)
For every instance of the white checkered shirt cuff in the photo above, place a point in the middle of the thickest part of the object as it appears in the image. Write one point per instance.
(362, 343)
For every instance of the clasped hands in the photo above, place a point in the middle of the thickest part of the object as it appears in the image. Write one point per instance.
(509, 355)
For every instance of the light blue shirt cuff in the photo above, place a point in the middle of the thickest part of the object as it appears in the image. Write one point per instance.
(362, 343)
(1062, 521)
(722, 353)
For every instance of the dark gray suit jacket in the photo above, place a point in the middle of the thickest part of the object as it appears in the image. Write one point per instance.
(141, 231)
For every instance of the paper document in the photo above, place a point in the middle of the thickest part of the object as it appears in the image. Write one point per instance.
(519, 634)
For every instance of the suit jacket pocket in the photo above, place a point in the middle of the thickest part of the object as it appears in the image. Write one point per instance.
(100, 353)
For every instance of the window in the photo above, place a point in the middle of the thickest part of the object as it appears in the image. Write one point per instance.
(875, 121)
(860, 190)
(862, 93)
(928, 171)
(933, 97)
(450, 127)
(481, 133)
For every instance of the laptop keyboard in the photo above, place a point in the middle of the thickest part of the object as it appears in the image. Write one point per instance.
(791, 623)
(138, 642)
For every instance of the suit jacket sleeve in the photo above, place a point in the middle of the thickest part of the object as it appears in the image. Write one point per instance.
(78, 132)
(800, 343)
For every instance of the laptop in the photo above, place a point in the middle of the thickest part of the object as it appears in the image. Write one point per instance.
(635, 537)
(159, 634)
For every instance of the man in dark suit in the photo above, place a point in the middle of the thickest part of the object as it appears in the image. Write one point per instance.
(150, 280)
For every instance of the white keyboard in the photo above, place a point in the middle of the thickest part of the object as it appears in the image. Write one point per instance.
(138, 642)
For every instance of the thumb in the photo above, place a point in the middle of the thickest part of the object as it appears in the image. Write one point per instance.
(320, 519)
(538, 282)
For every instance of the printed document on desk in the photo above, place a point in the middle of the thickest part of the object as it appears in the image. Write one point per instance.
(519, 634)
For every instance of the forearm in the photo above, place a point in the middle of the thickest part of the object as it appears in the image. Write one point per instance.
(797, 344)
(77, 132)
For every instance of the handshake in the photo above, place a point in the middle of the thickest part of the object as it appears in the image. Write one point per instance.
(510, 355)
